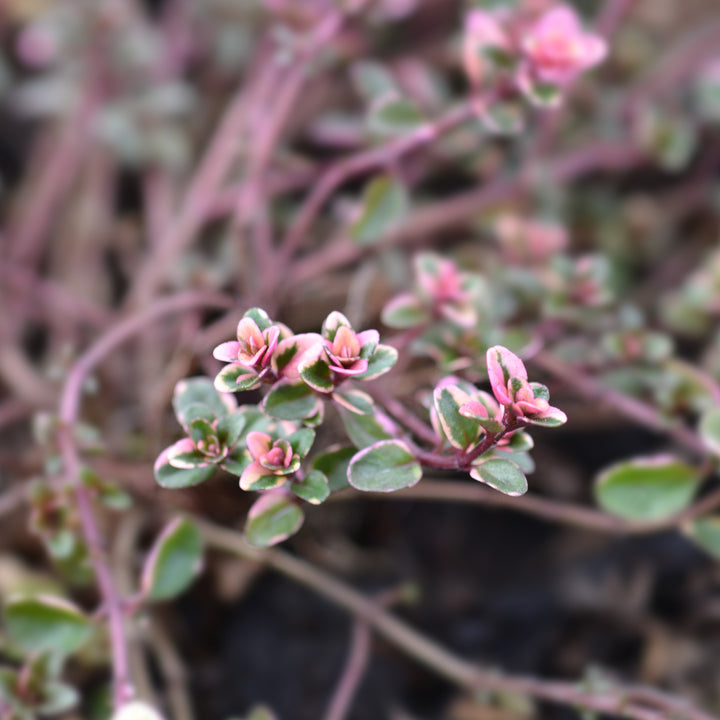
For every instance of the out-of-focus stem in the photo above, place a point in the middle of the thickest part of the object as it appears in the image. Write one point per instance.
(557, 511)
(455, 211)
(359, 163)
(618, 701)
(352, 673)
(69, 412)
(636, 410)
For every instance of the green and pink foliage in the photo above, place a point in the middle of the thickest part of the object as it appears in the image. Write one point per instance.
(442, 293)
(555, 50)
(174, 560)
(460, 430)
(528, 402)
(540, 48)
(274, 517)
(250, 356)
(529, 241)
(385, 466)
(488, 439)
(341, 353)
(214, 426)
(274, 459)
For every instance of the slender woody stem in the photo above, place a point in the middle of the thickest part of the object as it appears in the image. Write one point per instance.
(359, 163)
(69, 411)
(619, 701)
(638, 411)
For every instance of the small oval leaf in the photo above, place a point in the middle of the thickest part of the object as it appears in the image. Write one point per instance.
(381, 361)
(647, 489)
(200, 391)
(273, 518)
(173, 562)
(174, 478)
(705, 532)
(313, 488)
(44, 623)
(334, 465)
(462, 432)
(290, 401)
(384, 206)
(502, 475)
(386, 466)
(710, 430)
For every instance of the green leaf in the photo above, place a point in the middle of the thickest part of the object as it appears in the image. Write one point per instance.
(173, 562)
(381, 361)
(461, 432)
(522, 459)
(521, 442)
(710, 430)
(404, 311)
(363, 430)
(705, 532)
(355, 401)
(314, 488)
(110, 494)
(317, 375)
(540, 391)
(199, 391)
(174, 478)
(394, 115)
(194, 412)
(288, 401)
(647, 488)
(44, 623)
(372, 80)
(236, 462)
(236, 378)
(385, 204)
(261, 318)
(545, 94)
(58, 698)
(230, 428)
(385, 466)
(272, 519)
(301, 441)
(555, 418)
(317, 418)
(332, 323)
(334, 465)
(202, 431)
(502, 475)
(483, 419)
(183, 455)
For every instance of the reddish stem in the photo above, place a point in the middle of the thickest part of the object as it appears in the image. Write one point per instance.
(69, 412)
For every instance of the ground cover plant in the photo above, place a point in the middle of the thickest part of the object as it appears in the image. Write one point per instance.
(359, 359)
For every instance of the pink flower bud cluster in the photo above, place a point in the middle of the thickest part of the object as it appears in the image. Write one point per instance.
(543, 46)
(269, 458)
(266, 352)
(510, 386)
(529, 241)
(253, 348)
(441, 291)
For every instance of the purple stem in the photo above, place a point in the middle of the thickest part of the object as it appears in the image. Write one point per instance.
(456, 211)
(359, 163)
(352, 673)
(638, 411)
(69, 412)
